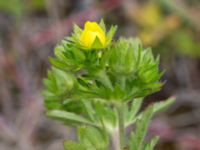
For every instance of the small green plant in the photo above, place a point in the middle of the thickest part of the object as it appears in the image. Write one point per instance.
(98, 85)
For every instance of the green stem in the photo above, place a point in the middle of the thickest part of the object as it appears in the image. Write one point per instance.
(120, 111)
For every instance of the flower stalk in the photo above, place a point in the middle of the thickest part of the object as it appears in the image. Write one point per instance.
(121, 127)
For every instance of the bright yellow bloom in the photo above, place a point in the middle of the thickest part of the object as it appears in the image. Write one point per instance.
(93, 33)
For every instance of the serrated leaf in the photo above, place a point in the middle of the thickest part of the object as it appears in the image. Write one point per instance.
(130, 113)
(157, 107)
(68, 117)
(137, 137)
(160, 106)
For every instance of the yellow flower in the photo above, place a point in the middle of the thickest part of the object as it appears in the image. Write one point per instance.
(93, 36)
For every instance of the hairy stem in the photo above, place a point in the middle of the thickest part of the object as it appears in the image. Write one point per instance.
(120, 111)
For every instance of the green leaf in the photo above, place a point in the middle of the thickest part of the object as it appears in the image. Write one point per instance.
(160, 106)
(59, 52)
(137, 137)
(93, 138)
(49, 84)
(105, 58)
(90, 138)
(77, 29)
(90, 110)
(129, 63)
(110, 34)
(102, 25)
(97, 44)
(104, 79)
(64, 81)
(68, 117)
(152, 143)
(52, 104)
(157, 107)
(57, 63)
(106, 115)
(130, 113)
(71, 145)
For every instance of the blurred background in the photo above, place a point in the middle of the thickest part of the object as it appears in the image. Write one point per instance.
(29, 31)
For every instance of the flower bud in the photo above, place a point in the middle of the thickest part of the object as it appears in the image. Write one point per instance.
(93, 36)
(93, 33)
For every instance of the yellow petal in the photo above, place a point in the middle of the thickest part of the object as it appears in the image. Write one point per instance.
(88, 38)
(93, 26)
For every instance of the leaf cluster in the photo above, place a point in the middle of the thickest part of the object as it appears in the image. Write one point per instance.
(121, 72)
(93, 137)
